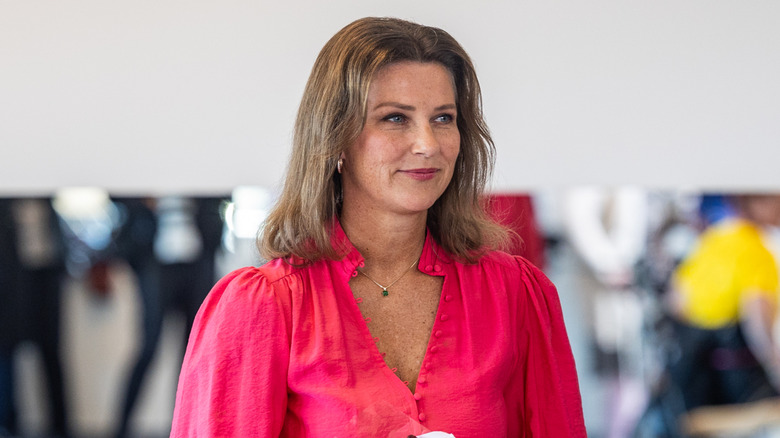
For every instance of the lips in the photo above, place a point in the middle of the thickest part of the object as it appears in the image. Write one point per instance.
(421, 174)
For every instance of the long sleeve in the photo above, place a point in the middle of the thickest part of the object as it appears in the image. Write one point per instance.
(544, 390)
(233, 381)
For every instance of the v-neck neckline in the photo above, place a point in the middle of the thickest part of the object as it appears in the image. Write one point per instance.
(432, 258)
(370, 342)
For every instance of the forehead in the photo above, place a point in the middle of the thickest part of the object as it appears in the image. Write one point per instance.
(405, 74)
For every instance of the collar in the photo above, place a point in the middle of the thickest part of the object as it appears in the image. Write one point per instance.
(433, 258)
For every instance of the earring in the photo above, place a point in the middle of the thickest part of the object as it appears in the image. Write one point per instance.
(339, 164)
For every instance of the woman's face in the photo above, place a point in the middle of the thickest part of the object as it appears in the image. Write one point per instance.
(404, 158)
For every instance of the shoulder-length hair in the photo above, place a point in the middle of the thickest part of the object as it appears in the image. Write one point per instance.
(330, 118)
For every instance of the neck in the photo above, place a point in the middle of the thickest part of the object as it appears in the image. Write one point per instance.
(387, 243)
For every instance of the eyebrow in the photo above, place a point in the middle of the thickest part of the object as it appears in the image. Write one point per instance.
(412, 108)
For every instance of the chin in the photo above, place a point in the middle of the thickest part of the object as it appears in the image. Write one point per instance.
(417, 206)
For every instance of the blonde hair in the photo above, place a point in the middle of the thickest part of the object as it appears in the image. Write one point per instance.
(331, 117)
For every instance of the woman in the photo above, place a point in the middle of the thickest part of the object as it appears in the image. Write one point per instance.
(384, 310)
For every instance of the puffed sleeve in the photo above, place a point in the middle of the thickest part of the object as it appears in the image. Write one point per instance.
(233, 381)
(544, 389)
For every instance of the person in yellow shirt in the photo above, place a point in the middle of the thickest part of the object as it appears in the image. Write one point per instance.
(724, 301)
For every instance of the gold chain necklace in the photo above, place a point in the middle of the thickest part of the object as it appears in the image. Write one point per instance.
(384, 288)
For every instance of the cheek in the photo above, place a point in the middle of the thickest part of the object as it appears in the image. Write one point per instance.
(452, 148)
(367, 153)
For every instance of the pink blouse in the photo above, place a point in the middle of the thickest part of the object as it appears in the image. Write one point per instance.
(283, 351)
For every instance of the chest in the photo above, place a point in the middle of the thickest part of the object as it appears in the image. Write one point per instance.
(401, 321)
(453, 350)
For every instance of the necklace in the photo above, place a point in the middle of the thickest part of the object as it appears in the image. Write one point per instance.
(384, 288)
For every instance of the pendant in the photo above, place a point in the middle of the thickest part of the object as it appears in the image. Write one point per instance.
(385, 292)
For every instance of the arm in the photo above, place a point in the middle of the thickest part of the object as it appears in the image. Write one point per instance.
(233, 382)
(757, 320)
(544, 390)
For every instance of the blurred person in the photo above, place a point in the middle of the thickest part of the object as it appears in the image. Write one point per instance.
(723, 298)
(385, 310)
(608, 228)
(170, 244)
(9, 268)
(32, 270)
(713, 208)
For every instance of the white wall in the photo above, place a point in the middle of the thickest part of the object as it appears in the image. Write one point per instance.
(174, 95)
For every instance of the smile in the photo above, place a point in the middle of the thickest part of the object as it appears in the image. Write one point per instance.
(421, 174)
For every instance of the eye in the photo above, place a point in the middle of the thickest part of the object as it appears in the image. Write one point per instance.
(395, 118)
(445, 118)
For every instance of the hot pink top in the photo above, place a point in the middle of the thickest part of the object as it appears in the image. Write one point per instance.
(283, 351)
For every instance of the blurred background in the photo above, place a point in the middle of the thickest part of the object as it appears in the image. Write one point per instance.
(99, 291)
(142, 142)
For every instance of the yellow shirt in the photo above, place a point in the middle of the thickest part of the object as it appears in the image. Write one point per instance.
(729, 263)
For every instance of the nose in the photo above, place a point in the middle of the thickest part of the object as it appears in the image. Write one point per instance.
(425, 142)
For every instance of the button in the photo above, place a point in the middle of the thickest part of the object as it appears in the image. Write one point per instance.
(434, 349)
(437, 268)
(421, 380)
(448, 298)
(422, 417)
(445, 317)
(428, 268)
(417, 396)
(437, 334)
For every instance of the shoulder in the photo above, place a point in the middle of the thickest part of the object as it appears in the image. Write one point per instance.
(731, 232)
(247, 308)
(278, 280)
(236, 359)
(248, 281)
(532, 289)
(523, 286)
(512, 267)
(274, 274)
(732, 239)
(249, 293)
